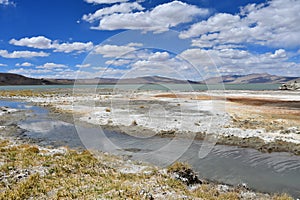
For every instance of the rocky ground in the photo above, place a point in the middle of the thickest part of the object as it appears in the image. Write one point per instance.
(31, 171)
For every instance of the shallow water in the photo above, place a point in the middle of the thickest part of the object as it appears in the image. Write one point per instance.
(163, 87)
(274, 173)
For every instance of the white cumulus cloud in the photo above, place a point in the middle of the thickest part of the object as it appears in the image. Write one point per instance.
(6, 2)
(159, 19)
(22, 54)
(275, 23)
(159, 56)
(235, 61)
(70, 47)
(118, 8)
(280, 53)
(113, 51)
(83, 65)
(24, 64)
(50, 66)
(118, 62)
(41, 42)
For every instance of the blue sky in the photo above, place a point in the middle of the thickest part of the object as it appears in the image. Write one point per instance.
(191, 39)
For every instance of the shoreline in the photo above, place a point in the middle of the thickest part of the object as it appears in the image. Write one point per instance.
(174, 177)
(273, 127)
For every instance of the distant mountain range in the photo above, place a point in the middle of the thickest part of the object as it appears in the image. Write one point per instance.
(138, 80)
(250, 78)
(16, 79)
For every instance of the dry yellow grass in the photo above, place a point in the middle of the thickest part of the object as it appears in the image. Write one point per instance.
(263, 116)
(79, 175)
